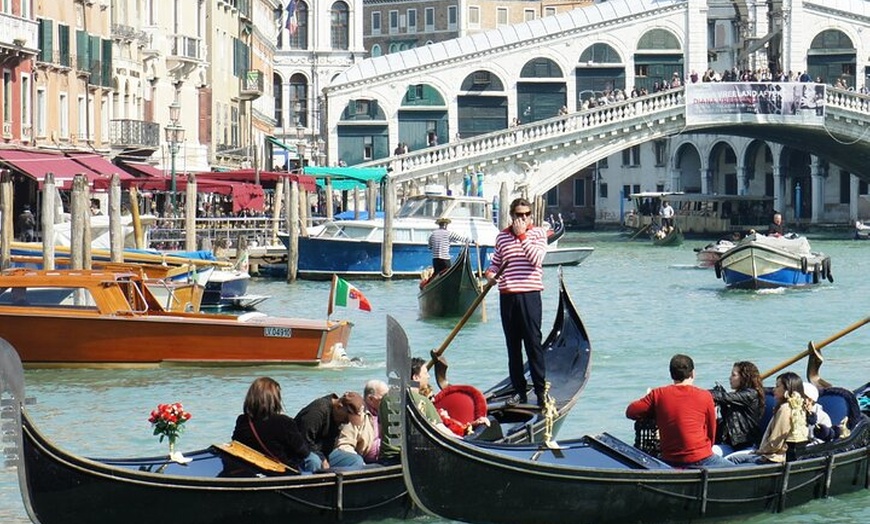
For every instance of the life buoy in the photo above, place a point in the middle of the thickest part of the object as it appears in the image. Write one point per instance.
(718, 267)
(804, 265)
(816, 273)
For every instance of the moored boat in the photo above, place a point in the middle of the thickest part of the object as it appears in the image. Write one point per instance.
(862, 230)
(602, 479)
(760, 261)
(215, 487)
(451, 292)
(94, 318)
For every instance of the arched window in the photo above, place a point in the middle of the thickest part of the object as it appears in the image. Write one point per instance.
(658, 40)
(482, 81)
(340, 29)
(277, 92)
(299, 39)
(600, 53)
(298, 98)
(376, 50)
(541, 68)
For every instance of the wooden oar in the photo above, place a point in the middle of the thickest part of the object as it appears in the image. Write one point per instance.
(639, 231)
(440, 377)
(815, 347)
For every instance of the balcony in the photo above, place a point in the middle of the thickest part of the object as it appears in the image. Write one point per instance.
(18, 37)
(185, 48)
(134, 134)
(252, 85)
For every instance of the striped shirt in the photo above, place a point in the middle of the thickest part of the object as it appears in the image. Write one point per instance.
(525, 255)
(439, 242)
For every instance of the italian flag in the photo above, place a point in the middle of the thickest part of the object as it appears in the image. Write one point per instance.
(345, 295)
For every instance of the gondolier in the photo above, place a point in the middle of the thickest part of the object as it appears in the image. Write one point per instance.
(439, 244)
(522, 246)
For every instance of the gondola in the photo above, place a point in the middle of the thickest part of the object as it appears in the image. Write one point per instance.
(674, 237)
(215, 487)
(601, 479)
(451, 292)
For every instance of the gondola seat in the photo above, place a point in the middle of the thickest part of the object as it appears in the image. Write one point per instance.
(840, 403)
(464, 404)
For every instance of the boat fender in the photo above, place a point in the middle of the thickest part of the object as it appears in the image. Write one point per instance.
(804, 265)
(828, 274)
(718, 267)
(816, 274)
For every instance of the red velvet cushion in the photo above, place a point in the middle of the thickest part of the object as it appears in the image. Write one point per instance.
(463, 403)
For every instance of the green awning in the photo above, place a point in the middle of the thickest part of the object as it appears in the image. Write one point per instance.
(346, 178)
(275, 142)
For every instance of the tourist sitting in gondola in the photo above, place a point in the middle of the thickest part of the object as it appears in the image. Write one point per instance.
(360, 444)
(787, 428)
(263, 426)
(741, 410)
(321, 420)
(821, 428)
(685, 416)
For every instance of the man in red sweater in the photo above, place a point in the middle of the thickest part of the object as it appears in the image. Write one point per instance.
(685, 416)
(522, 247)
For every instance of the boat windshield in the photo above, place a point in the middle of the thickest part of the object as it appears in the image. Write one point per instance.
(423, 208)
(72, 297)
(470, 210)
(345, 230)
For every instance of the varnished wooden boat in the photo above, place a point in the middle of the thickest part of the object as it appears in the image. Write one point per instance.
(61, 487)
(451, 292)
(104, 318)
(601, 479)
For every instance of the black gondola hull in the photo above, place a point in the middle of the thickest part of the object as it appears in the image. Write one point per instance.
(452, 292)
(599, 479)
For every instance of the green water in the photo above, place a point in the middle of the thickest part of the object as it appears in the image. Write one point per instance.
(640, 304)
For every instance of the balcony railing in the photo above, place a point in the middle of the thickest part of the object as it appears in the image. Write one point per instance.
(252, 85)
(186, 47)
(134, 133)
(19, 31)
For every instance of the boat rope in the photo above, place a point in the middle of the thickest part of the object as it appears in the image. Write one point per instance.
(339, 508)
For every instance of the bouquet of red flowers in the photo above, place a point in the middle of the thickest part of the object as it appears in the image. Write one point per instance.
(168, 421)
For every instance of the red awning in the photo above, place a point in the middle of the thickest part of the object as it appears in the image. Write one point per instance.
(102, 167)
(267, 178)
(144, 169)
(244, 196)
(37, 164)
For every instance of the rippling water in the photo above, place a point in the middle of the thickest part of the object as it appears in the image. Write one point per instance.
(640, 304)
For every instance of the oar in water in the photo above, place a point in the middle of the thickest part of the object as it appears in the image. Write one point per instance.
(639, 231)
(813, 349)
(440, 365)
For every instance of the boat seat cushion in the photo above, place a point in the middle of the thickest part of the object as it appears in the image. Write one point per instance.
(840, 403)
(464, 403)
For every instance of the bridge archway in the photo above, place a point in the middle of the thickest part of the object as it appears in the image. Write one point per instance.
(687, 160)
(483, 105)
(363, 132)
(541, 91)
(657, 60)
(832, 57)
(423, 112)
(601, 69)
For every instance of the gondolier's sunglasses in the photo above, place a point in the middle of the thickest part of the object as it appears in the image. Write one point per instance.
(523, 215)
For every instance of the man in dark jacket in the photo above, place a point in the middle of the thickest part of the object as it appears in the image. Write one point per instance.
(321, 420)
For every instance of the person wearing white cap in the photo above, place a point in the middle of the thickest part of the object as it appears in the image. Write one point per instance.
(819, 423)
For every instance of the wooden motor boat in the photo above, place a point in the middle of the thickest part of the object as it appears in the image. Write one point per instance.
(215, 487)
(710, 254)
(601, 479)
(104, 318)
(759, 261)
(451, 292)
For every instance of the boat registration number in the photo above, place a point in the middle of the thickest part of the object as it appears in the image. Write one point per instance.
(277, 332)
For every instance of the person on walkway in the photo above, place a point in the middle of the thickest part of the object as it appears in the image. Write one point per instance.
(776, 228)
(522, 247)
(389, 414)
(787, 426)
(321, 420)
(439, 244)
(667, 213)
(264, 427)
(26, 225)
(685, 416)
(739, 427)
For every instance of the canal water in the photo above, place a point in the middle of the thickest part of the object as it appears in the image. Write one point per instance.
(641, 304)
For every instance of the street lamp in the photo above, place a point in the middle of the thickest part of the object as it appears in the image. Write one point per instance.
(300, 144)
(174, 137)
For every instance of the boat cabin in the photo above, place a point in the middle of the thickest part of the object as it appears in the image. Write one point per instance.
(702, 214)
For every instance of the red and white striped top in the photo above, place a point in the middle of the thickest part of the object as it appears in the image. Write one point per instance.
(525, 256)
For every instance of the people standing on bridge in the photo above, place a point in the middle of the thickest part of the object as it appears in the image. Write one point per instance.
(522, 247)
(439, 244)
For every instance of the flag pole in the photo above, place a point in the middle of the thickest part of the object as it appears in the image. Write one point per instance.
(331, 296)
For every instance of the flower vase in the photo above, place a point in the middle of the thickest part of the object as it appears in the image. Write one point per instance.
(176, 456)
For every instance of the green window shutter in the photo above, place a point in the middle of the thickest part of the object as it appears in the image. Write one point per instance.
(63, 44)
(82, 59)
(46, 40)
(107, 63)
(94, 62)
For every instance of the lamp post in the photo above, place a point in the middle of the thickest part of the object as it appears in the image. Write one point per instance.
(174, 137)
(300, 145)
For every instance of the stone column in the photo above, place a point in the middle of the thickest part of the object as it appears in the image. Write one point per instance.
(741, 179)
(817, 201)
(779, 202)
(706, 180)
(853, 197)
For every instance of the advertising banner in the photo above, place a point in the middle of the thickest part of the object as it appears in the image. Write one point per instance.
(755, 102)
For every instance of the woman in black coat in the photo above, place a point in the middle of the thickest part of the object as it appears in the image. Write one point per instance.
(741, 410)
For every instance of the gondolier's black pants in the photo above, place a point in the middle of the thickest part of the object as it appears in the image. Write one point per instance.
(440, 264)
(521, 322)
